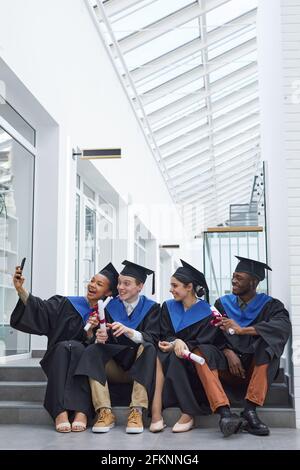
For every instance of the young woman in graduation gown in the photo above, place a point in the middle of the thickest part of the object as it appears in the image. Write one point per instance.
(125, 353)
(62, 320)
(185, 325)
(255, 328)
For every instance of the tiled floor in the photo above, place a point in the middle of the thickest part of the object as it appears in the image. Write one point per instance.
(45, 438)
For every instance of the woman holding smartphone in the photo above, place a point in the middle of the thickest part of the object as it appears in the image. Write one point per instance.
(62, 320)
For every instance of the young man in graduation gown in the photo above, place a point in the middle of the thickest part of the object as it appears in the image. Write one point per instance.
(185, 325)
(256, 329)
(62, 320)
(126, 352)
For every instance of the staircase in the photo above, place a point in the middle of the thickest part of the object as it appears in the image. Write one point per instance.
(23, 383)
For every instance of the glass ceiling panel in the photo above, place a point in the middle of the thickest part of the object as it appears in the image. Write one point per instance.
(233, 66)
(234, 41)
(231, 144)
(232, 107)
(228, 12)
(174, 96)
(198, 105)
(181, 113)
(138, 5)
(162, 45)
(233, 87)
(169, 74)
(243, 132)
(182, 131)
(143, 17)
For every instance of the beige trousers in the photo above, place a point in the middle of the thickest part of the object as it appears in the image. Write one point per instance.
(115, 374)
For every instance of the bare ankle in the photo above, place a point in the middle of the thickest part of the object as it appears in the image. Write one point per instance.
(185, 418)
(79, 416)
(156, 417)
(62, 417)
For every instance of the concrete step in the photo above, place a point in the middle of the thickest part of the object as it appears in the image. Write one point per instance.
(22, 412)
(23, 383)
(23, 391)
(281, 377)
(35, 391)
(14, 371)
(24, 380)
(32, 372)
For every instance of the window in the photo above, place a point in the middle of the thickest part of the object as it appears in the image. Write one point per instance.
(104, 240)
(140, 242)
(17, 121)
(94, 234)
(77, 241)
(16, 219)
(89, 244)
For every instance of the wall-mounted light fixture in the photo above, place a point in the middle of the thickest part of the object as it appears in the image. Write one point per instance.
(169, 246)
(93, 154)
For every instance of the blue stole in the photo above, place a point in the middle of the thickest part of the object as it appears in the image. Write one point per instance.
(248, 315)
(81, 306)
(117, 311)
(181, 318)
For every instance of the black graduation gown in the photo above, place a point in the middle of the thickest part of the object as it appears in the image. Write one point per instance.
(274, 328)
(123, 350)
(57, 319)
(182, 387)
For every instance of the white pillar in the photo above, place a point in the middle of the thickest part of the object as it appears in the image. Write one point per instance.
(270, 68)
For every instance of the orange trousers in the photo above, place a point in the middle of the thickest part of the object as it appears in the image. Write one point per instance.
(256, 379)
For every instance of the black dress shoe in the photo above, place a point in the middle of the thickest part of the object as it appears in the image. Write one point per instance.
(230, 424)
(253, 424)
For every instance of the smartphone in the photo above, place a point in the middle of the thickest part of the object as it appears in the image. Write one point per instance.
(22, 264)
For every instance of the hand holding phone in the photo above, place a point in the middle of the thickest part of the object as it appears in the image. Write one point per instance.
(18, 278)
(18, 273)
(22, 264)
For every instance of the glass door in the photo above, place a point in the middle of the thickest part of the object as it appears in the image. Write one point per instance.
(16, 218)
(89, 243)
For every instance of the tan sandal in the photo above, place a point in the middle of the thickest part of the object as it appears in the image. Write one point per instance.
(63, 427)
(79, 425)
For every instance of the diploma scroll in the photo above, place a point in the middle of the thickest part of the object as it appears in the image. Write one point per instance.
(217, 316)
(193, 357)
(101, 314)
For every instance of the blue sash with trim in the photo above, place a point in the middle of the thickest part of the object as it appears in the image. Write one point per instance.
(181, 318)
(249, 314)
(117, 311)
(81, 306)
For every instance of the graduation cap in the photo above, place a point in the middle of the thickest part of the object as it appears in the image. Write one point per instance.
(138, 272)
(188, 273)
(112, 275)
(252, 267)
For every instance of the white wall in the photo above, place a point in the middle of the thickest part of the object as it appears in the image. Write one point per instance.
(279, 35)
(290, 15)
(272, 143)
